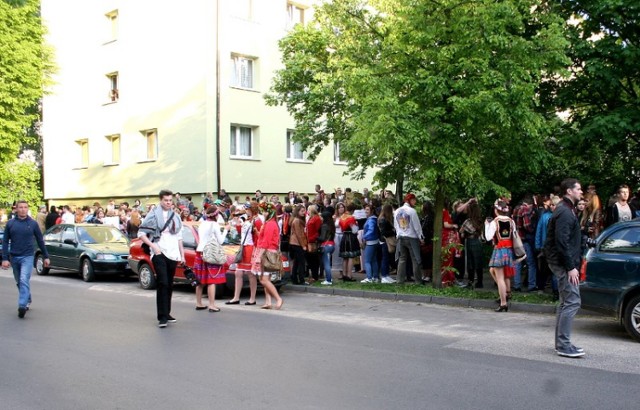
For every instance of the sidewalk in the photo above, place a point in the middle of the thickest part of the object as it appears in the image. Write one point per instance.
(439, 300)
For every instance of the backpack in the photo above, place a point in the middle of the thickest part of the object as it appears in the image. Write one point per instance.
(213, 253)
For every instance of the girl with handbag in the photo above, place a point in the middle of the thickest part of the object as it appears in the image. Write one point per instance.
(268, 241)
(248, 237)
(207, 274)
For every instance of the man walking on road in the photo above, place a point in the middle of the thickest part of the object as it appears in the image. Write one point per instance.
(161, 230)
(563, 252)
(19, 233)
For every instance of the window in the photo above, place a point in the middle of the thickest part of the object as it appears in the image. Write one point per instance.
(242, 72)
(295, 14)
(336, 154)
(241, 142)
(294, 149)
(55, 235)
(624, 241)
(242, 9)
(151, 140)
(83, 153)
(112, 25)
(114, 94)
(114, 151)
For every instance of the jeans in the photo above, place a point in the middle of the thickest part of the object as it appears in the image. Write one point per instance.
(531, 265)
(165, 271)
(567, 308)
(327, 250)
(22, 267)
(474, 259)
(371, 261)
(408, 247)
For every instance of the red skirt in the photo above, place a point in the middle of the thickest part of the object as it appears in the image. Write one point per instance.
(246, 258)
(209, 274)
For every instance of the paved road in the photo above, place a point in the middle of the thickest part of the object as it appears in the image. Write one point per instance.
(96, 346)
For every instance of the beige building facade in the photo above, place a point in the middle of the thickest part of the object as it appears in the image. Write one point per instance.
(152, 94)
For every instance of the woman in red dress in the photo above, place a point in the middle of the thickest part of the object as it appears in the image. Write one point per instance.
(268, 239)
(248, 238)
(449, 237)
(209, 275)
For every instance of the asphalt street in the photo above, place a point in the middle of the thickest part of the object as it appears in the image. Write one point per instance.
(97, 346)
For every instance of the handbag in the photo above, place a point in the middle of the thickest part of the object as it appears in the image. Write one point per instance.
(392, 242)
(271, 261)
(238, 257)
(212, 253)
(518, 247)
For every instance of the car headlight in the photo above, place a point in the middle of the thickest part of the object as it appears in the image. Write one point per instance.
(106, 257)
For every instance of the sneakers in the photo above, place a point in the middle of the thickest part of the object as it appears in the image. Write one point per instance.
(426, 280)
(572, 352)
(162, 324)
(388, 279)
(21, 311)
(324, 282)
(172, 319)
(366, 280)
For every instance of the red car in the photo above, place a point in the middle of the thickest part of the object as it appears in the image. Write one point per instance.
(140, 262)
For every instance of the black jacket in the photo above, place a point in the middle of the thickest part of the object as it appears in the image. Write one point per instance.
(613, 215)
(564, 240)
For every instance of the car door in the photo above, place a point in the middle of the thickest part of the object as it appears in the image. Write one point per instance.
(53, 243)
(612, 268)
(68, 258)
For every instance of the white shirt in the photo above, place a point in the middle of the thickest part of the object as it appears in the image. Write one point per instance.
(68, 218)
(169, 243)
(207, 230)
(246, 236)
(406, 222)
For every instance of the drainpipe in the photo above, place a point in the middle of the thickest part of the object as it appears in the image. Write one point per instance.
(218, 178)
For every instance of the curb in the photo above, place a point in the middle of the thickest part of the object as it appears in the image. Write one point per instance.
(436, 300)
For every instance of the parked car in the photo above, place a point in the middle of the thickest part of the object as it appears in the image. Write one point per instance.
(140, 262)
(88, 248)
(611, 275)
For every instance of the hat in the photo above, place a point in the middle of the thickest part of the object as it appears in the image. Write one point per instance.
(409, 197)
(219, 202)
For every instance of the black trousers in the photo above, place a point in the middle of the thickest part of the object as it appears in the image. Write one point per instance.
(299, 264)
(313, 263)
(165, 271)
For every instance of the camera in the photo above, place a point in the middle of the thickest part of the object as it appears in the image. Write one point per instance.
(191, 277)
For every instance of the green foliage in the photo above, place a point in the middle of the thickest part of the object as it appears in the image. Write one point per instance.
(443, 94)
(20, 180)
(602, 137)
(24, 63)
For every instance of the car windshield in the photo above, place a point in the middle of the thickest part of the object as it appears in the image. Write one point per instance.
(100, 234)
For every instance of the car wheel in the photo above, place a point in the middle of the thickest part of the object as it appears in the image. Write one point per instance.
(88, 274)
(632, 317)
(40, 269)
(145, 277)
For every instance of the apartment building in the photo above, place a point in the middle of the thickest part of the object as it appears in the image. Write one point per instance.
(152, 94)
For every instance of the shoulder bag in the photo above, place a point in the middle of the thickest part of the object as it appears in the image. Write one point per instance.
(212, 253)
(518, 248)
(240, 253)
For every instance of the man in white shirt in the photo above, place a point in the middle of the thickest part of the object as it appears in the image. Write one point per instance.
(67, 215)
(161, 230)
(409, 234)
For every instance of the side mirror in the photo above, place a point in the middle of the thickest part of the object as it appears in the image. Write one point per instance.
(70, 242)
(591, 243)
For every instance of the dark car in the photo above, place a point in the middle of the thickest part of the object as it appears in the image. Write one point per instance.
(611, 275)
(141, 264)
(86, 248)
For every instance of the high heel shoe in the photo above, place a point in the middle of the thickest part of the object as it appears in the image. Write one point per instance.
(502, 308)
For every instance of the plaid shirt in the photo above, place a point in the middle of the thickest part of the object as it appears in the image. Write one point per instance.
(524, 219)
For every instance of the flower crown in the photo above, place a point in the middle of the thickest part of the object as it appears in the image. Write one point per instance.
(267, 207)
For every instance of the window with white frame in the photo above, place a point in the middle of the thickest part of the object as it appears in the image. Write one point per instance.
(151, 141)
(295, 14)
(114, 92)
(294, 149)
(83, 153)
(114, 150)
(112, 25)
(337, 158)
(241, 141)
(242, 71)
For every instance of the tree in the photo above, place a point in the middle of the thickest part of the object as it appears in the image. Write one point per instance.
(24, 63)
(439, 92)
(20, 180)
(602, 134)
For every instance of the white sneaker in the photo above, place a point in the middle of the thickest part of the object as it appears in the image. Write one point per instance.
(324, 282)
(365, 280)
(388, 279)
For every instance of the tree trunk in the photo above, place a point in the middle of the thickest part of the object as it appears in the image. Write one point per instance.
(437, 232)
(399, 187)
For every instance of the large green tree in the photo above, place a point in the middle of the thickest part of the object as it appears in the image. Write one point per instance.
(25, 62)
(443, 93)
(601, 140)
